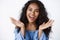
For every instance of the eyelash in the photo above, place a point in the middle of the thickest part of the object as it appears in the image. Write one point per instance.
(37, 11)
(31, 10)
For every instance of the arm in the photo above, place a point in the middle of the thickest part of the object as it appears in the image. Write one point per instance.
(44, 26)
(43, 36)
(19, 24)
(39, 33)
(18, 35)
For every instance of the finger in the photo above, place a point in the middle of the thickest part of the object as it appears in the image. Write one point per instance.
(43, 22)
(12, 19)
(48, 24)
(51, 22)
(19, 21)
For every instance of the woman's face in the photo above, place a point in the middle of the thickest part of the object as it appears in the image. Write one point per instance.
(32, 12)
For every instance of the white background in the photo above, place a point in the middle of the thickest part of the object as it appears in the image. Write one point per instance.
(12, 8)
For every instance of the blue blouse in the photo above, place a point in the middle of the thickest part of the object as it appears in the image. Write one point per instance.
(30, 35)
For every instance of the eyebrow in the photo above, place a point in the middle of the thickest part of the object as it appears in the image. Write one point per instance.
(31, 8)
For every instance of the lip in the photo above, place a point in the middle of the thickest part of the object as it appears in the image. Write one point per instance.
(32, 17)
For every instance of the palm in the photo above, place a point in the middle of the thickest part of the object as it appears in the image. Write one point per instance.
(46, 25)
(17, 23)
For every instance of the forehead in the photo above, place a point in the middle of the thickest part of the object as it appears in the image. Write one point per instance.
(33, 5)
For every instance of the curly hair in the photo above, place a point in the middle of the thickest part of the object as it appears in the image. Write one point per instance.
(41, 18)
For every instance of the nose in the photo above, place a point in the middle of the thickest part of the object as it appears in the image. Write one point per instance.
(33, 13)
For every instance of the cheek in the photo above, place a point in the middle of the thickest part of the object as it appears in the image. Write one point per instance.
(28, 13)
(36, 14)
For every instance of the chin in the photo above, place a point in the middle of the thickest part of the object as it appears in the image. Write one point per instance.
(31, 21)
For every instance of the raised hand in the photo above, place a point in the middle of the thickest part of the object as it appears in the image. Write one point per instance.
(17, 23)
(46, 25)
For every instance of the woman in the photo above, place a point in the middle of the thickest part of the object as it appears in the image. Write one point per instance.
(34, 23)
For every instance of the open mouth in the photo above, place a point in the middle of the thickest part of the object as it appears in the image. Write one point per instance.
(32, 17)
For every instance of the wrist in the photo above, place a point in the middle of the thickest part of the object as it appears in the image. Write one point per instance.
(22, 28)
(40, 29)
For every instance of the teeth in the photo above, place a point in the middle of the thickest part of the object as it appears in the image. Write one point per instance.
(32, 16)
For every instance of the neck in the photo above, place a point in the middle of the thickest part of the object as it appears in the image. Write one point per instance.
(31, 26)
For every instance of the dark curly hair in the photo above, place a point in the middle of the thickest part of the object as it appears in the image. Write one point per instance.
(41, 18)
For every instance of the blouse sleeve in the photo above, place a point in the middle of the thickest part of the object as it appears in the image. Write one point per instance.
(43, 37)
(18, 35)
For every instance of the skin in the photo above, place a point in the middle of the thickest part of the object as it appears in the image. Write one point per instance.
(32, 14)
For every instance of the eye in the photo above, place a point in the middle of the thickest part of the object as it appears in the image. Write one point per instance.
(30, 9)
(37, 11)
